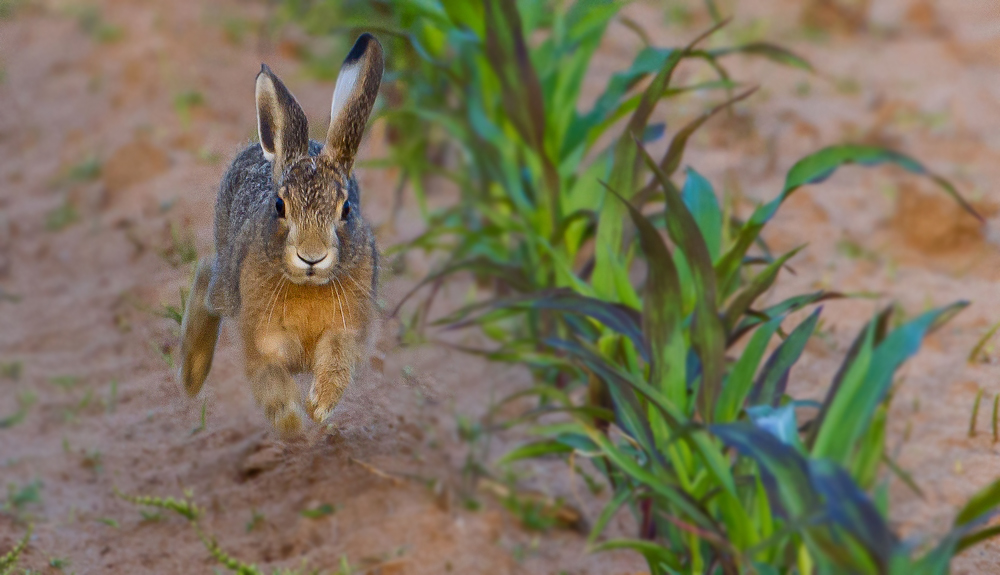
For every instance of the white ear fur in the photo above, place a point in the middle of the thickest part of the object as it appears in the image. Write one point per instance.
(263, 93)
(347, 81)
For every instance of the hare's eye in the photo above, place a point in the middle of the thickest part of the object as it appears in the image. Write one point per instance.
(346, 210)
(279, 207)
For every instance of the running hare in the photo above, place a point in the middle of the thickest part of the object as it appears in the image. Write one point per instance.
(295, 262)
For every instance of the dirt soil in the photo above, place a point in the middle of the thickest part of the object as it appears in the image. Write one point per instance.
(117, 120)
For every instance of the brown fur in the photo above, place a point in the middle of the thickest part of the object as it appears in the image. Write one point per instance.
(295, 264)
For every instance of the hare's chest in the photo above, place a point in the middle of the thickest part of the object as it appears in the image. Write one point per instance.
(309, 311)
(286, 321)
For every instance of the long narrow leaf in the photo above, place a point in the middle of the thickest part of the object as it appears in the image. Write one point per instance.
(707, 335)
(769, 386)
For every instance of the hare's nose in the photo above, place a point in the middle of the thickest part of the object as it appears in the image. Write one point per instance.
(312, 259)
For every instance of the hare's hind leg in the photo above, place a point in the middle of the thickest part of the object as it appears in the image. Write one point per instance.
(199, 332)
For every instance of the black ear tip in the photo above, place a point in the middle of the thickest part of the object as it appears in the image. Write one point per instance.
(360, 47)
(264, 69)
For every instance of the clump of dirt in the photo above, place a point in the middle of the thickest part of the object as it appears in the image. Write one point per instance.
(923, 17)
(842, 16)
(935, 224)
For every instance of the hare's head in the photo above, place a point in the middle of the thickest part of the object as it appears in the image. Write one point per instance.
(314, 219)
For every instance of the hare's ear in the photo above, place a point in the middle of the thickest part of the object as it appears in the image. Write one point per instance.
(281, 123)
(353, 98)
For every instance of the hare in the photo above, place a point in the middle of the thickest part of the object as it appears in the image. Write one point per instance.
(295, 262)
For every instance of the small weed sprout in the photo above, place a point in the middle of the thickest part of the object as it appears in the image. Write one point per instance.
(185, 103)
(25, 400)
(11, 370)
(256, 520)
(319, 511)
(86, 170)
(112, 402)
(975, 413)
(91, 21)
(201, 424)
(9, 559)
(20, 497)
(62, 216)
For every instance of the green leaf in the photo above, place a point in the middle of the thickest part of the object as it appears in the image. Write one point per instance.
(534, 450)
(784, 472)
(976, 538)
(770, 384)
(672, 159)
(979, 504)
(319, 511)
(754, 289)
(661, 311)
(740, 379)
(794, 303)
(699, 197)
(707, 335)
(767, 50)
(778, 421)
(617, 317)
(629, 414)
(607, 513)
(849, 506)
(814, 169)
(873, 332)
(851, 411)
(655, 554)
(626, 166)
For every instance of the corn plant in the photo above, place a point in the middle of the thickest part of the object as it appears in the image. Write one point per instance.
(796, 496)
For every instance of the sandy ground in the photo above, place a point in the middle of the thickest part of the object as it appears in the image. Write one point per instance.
(158, 94)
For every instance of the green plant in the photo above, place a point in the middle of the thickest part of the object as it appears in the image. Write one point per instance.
(256, 520)
(9, 8)
(91, 21)
(319, 511)
(11, 369)
(202, 420)
(24, 400)
(71, 413)
(975, 413)
(61, 216)
(65, 382)
(86, 170)
(8, 561)
(182, 249)
(20, 497)
(185, 102)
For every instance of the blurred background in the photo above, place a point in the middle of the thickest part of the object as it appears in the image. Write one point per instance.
(118, 119)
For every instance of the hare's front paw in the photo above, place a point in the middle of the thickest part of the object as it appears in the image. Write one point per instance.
(325, 394)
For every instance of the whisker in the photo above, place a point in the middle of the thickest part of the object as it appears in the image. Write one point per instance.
(274, 298)
(348, 301)
(340, 304)
(284, 296)
(360, 287)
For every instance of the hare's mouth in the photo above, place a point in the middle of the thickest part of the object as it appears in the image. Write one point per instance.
(306, 268)
(308, 277)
